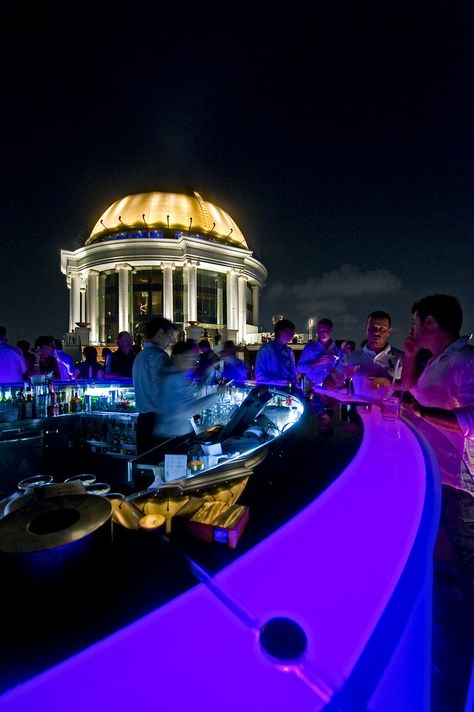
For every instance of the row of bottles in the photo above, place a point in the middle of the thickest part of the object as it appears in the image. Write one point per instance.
(51, 399)
(46, 400)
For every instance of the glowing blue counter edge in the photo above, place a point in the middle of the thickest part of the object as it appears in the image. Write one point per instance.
(380, 652)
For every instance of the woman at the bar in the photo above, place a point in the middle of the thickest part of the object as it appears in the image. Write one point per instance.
(89, 368)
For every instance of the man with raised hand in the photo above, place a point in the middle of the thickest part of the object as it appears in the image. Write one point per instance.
(443, 390)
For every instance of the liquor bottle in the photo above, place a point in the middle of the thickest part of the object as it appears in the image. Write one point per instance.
(50, 400)
(20, 400)
(76, 403)
(41, 401)
(55, 402)
(30, 405)
(63, 402)
(288, 397)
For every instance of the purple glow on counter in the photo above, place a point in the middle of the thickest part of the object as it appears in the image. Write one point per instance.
(332, 569)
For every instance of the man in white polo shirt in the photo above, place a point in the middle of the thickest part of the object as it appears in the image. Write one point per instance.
(444, 389)
(377, 362)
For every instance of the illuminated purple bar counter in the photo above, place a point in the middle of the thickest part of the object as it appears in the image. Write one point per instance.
(348, 579)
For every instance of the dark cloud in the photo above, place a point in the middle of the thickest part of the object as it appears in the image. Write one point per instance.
(341, 294)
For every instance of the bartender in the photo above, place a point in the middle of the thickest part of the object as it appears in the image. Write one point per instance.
(178, 394)
(146, 374)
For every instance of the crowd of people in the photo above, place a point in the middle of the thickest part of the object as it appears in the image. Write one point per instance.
(47, 357)
(434, 371)
(435, 367)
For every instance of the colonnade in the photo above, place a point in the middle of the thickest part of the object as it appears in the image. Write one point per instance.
(87, 299)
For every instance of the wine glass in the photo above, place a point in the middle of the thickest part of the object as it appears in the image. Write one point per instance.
(349, 370)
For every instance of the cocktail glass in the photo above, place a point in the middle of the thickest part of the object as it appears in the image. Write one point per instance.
(349, 370)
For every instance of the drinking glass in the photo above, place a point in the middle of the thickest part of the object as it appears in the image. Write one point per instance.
(384, 391)
(391, 408)
(349, 370)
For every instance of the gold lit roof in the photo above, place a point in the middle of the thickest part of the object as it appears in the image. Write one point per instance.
(160, 211)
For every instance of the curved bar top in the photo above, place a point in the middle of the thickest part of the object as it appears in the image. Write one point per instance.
(353, 569)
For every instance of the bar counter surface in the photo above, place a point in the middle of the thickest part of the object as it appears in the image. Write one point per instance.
(324, 604)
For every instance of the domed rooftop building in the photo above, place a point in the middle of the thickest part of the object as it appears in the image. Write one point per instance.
(169, 254)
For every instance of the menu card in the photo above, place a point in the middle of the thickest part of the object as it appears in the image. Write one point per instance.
(175, 467)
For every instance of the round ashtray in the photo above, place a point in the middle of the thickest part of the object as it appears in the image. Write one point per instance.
(283, 639)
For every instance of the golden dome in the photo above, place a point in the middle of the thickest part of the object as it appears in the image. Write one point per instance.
(168, 213)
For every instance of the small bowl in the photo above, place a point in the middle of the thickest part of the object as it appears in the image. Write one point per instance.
(152, 524)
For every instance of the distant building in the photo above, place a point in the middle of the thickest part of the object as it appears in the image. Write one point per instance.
(167, 254)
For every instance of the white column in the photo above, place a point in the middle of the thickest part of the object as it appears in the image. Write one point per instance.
(123, 271)
(232, 300)
(168, 290)
(82, 303)
(255, 304)
(185, 296)
(74, 300)
(130, 301)
(69, 286)
(220, 301)
(93, 304)
(192, 290)
(242, 308)
(102, 307)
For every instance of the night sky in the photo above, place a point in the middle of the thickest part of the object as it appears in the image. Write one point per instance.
(342, 145)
